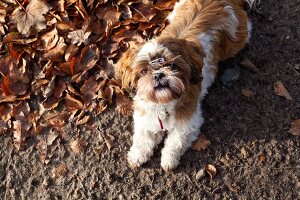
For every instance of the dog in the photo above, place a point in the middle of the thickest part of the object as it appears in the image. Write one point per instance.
(170, 75)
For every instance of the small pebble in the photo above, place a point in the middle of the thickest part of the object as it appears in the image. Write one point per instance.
(229, 76)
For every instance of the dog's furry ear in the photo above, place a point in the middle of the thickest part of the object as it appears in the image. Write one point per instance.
(124, 71)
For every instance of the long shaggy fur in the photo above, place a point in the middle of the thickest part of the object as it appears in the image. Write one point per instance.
(171, 74)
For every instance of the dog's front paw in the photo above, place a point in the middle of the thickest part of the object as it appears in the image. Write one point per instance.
(169, 162)
(136, 158)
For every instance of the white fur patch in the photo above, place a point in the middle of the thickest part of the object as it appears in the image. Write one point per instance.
(232, 23)
(148, 49)
(209, 69)
(173, 13)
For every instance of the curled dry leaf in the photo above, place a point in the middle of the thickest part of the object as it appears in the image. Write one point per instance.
(108, 140)
(201, 143)
(280, 90)
(49, 40)
(60, 171)
(295, 127)
(79, 36)
(247, 93)
(51, 138)
(78, 145)
(42, 148)
(56, 53)
(247, 64)
(211, 170)
(89, 89)
(20, 130)
(72, 103)
(262, 158)
(31, 18)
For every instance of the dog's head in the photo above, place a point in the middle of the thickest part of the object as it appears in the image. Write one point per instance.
(160, 70)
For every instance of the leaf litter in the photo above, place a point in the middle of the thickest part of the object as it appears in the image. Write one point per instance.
(56, 64)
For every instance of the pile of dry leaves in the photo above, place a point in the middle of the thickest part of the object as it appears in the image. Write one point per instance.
(56, 58)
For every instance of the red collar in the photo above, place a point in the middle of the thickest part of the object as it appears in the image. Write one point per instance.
(160, 123)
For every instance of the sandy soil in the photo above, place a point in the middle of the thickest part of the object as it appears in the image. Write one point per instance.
(255, 156)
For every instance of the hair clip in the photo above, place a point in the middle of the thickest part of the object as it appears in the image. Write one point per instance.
(157, 61)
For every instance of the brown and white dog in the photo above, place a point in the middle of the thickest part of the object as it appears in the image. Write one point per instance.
(171, 74)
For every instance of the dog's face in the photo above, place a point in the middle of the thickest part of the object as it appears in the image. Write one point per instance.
(160, 72)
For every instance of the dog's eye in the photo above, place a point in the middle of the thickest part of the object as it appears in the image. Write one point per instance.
(144, 72)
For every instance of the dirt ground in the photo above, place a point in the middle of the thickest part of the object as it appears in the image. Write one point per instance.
(255, 156)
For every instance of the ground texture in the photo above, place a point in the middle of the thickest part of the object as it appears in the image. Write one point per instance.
(255, 156)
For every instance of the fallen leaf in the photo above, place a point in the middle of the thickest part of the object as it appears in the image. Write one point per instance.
(201, 143)
(262, 158)
(60, 171)
(72, 103)
(79, 36)
(108, 140)
(30, 18)
(295, 127)
(42, 148)
(51, 138)
(247, 64)
(78, 145)
(247, 93)
(211, 170)
(48, 40)
(280, 90)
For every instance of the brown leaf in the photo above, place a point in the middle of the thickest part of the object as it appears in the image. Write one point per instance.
(280, 90)
(83, 120)
(247, 64)
(48, 40)
(78, 145)
(164, 5)
(89, 89)
(60, 171)
(13, 87)
(295, 127)
(262, 158)
(50, 103)
(59, 88)
(42, 148)
(211, 170)
(247, 93)
(72, 103)
(201, 143)
(71, 51)
(31, 18)
(20, 130)
(89, 56)
(51, 138)
(79, 36)
(124, 34)
(108, 140)
(56, 53)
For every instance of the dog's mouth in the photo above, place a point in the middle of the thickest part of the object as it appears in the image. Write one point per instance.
(160, 86)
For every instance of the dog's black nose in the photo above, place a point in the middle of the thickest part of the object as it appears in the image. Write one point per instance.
(158, 76)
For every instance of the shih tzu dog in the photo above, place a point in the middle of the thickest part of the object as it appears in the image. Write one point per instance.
(171, 74)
